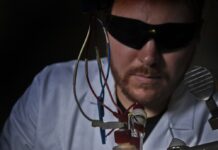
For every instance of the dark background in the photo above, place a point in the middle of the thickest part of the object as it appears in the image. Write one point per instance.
(33, 34)
(36, 33)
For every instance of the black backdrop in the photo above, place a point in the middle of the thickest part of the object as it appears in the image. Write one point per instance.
(33, 34)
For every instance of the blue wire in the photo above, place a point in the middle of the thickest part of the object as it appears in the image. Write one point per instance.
(101, 98)
(101, 115)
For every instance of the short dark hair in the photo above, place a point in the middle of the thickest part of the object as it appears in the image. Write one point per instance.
(197, 6)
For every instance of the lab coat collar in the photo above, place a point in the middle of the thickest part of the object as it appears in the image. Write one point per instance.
(176, 122)
(181, 110)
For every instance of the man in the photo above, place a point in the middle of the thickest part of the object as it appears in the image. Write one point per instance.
(152, 44)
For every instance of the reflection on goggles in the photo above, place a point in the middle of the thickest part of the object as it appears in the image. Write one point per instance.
(168, 37)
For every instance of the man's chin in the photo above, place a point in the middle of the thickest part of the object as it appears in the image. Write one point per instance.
(146, 99)
(144, 96)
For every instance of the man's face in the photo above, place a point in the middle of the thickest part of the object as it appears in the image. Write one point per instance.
(148, 75)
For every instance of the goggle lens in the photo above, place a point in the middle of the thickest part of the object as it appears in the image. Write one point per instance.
(168, 37)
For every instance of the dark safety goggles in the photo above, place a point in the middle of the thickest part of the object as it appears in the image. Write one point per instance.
(168, 36)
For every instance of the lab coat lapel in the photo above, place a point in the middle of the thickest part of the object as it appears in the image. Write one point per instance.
(177, 122)
(160, 137)
(182, 112)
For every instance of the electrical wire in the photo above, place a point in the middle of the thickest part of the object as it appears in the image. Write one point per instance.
(102, 94)
(109, 133)
(92, 90)
(100, 99)
(75, 75)
(103, 82)
(130, 107)
(108, 56)
(108, 50)
(106, 84)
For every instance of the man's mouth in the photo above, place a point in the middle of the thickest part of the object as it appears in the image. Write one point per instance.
(146, 78)
(147, 75)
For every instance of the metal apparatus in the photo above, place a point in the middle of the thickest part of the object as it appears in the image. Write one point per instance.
(201, 84)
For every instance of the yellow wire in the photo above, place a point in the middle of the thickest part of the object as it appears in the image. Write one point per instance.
(75, 76)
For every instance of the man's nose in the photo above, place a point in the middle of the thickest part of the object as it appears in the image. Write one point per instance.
(149, 54)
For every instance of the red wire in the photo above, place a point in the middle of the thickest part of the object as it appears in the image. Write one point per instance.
(109, 132)
(131, 106)
(93, 92)
(109, 91)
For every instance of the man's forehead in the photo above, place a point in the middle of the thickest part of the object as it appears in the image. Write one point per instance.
(194, 6)
(153, 11)
(143, 3)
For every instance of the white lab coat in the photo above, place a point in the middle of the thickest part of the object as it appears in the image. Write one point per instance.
(46, 117)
